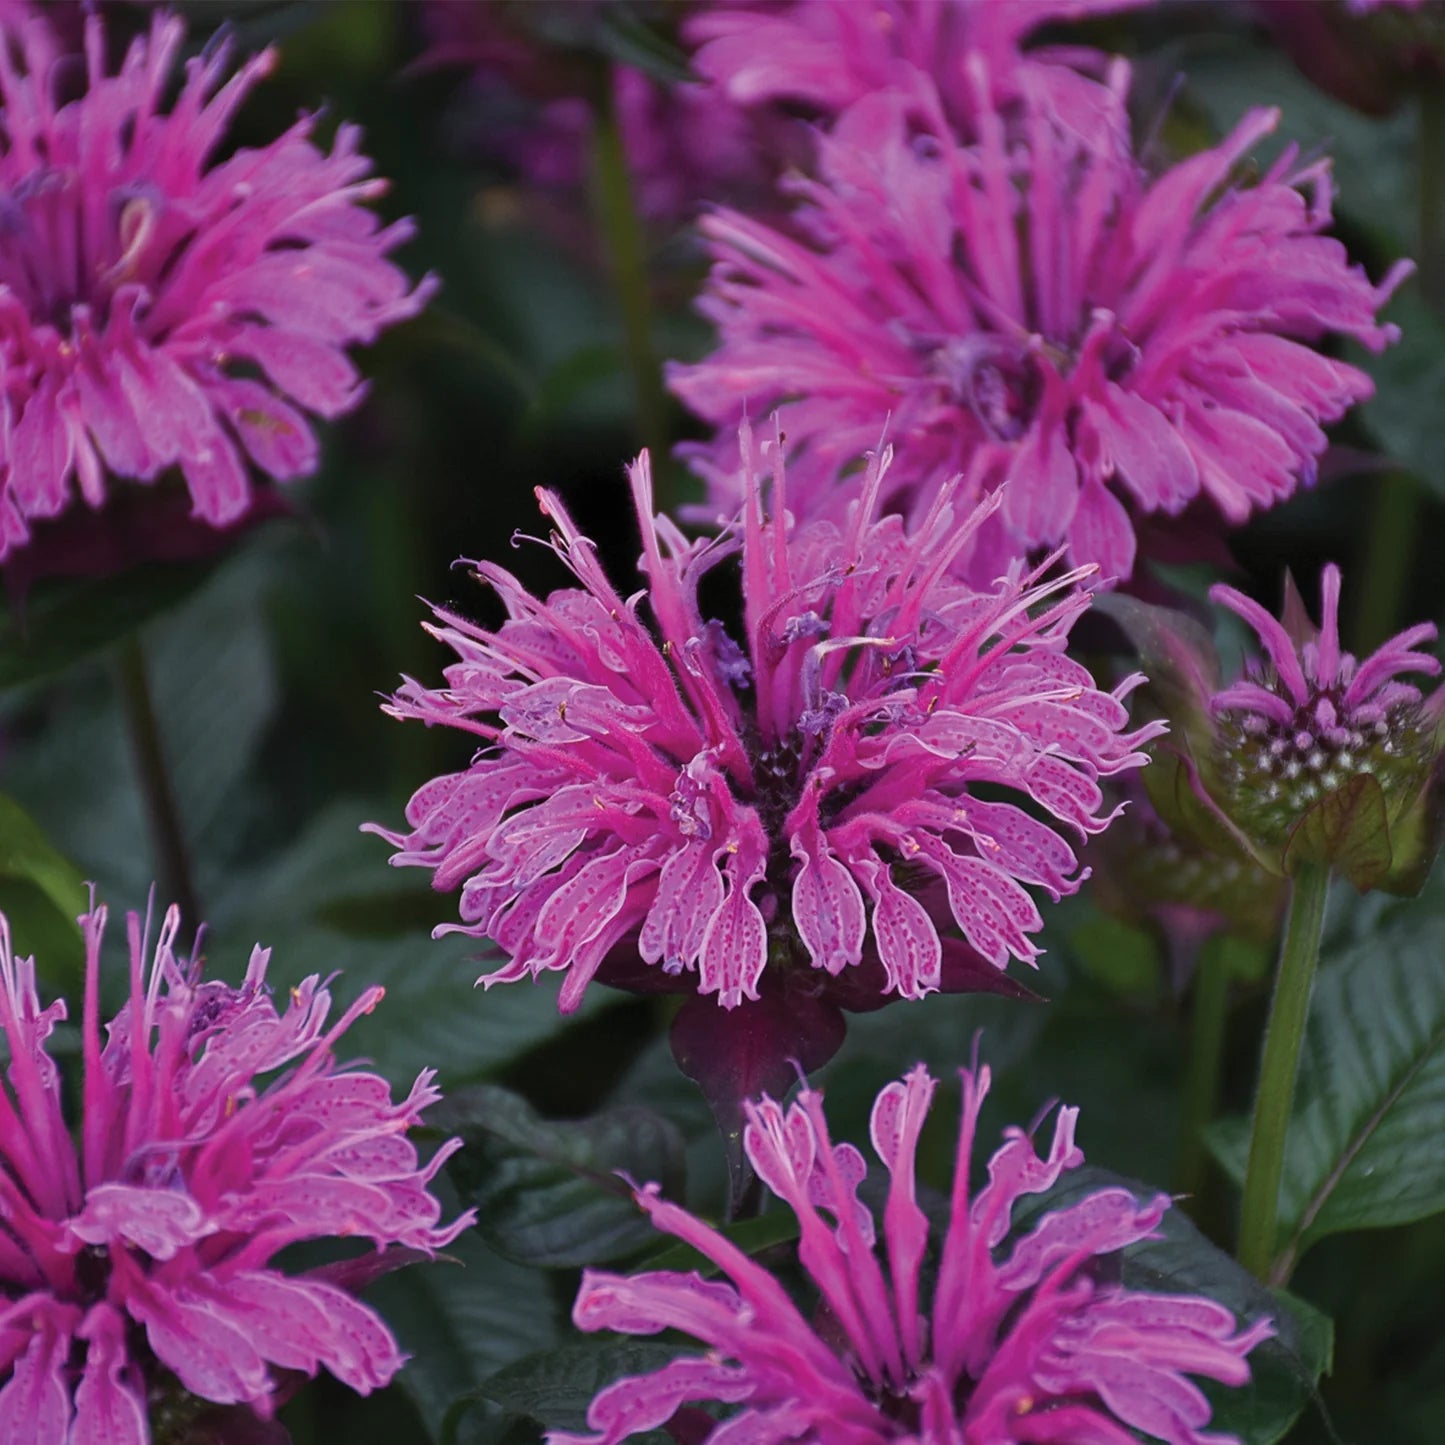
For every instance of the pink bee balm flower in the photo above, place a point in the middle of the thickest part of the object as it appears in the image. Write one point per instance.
(1031, 1343)
(714, 805)
(148, 1242)
(1030, 307)
(826, 54)
(161, 309)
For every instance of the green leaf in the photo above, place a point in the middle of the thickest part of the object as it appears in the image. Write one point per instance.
(461, 1319)
(1363, 1150)
(546, 1191)
(752, 1236)
(330, 902)
(62, 622)
(214, 684)
(1372, 158)
(1180, 1260)
(556, 1386)
(42, 894)
(631, 41)
(1409, 380)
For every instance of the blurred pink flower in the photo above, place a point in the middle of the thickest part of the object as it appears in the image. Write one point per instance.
(1031, 307)
(827, 54)
(149, 1242)
(1033, 1344)
(160, 310)
(533, 65)
(656, 783)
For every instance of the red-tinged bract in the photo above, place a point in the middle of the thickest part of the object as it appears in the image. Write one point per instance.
(143, 1249)
(161, 307)
(1027, 304)
(1023, 1343)
(718, 805)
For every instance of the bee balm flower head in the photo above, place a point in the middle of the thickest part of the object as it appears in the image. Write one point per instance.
(1028, 305)
(1029, 1343)
(721, 801)
(159, 307)
(144, 1245)
(1312, 733)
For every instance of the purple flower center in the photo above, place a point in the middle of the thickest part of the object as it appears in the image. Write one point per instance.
(58, 258)
(998, 379)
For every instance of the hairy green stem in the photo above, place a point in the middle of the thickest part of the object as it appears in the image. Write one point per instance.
(157, 794)
(1280, 1063)
(616, 211)
(1203, 1067)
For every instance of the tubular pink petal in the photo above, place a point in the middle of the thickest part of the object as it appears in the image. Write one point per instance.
(1020, 1349)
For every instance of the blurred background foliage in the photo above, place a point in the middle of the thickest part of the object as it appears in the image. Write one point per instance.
(266, 664)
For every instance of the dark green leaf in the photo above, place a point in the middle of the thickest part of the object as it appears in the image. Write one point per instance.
(461, 1320)
(1409, 381)
(555, 1387)
(1363, 1150)
(752, 1236)
(61, 622)
(630, 41)
(547, 1192)
(330, 902)
(1180, 1260)
(1372, 158)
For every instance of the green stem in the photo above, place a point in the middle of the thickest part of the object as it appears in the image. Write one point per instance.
(621, 228)
(1282, 1038)
(1389, 559)
(147, 748)
(1203, 1067)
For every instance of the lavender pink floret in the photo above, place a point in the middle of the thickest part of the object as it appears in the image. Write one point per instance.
(1021, 1341)
(659, 786)
(1313, 686)
(150, 1240)
(162, 308)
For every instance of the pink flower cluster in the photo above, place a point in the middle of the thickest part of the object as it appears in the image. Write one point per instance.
(151, 1239)
(160, 308)
(660, 783)
(1029, 306)
(1028, 1344)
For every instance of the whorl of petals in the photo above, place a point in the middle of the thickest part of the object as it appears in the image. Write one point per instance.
(1025, 1341)
(712, 802)
(161, 308)
(196, 1163)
